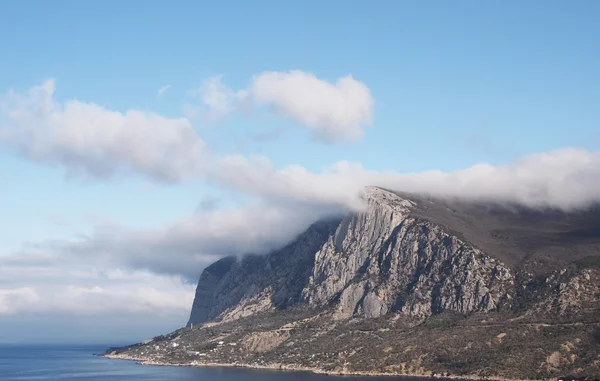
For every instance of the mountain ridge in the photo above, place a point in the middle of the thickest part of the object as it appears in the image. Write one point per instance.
(402, 265)
(446, 218)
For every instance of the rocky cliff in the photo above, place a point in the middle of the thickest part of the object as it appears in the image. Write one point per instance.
(368, 264)
(409, 285)
(232, 288)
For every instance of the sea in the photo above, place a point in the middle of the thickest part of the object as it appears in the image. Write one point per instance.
(78, 362)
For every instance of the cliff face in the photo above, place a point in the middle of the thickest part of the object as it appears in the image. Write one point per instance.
(386, 260)
(368, 264)
(232, 288)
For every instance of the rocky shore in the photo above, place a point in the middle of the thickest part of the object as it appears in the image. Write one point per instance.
(297, 368)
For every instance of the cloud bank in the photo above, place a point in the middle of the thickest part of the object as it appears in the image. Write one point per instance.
(182, 248)
(89, 140)
(139, 271)
(566, 179)
(84, 291)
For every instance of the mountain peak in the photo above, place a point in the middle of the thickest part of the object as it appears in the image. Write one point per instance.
(375, 195)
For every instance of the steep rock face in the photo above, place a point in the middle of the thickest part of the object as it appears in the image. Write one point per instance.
(236, 287)
(379, 260)
(384, 259)
(205, 300)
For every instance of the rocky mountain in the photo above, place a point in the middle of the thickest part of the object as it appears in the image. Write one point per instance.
(409, 285)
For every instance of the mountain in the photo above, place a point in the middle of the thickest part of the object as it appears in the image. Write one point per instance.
(410, 285)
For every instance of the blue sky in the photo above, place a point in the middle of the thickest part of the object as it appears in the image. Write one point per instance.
(450, 85)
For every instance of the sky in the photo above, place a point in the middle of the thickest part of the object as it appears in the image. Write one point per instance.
(141, 141)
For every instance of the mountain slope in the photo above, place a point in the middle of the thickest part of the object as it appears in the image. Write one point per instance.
(541, 240)
(414, 285)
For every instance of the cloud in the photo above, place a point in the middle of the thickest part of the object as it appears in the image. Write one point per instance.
(208, 204)
(79, 290)
(11, 299)
(162, 90)
(89, 140)
(566, 178)
(333, 111)
(182, 248)
(217, 100)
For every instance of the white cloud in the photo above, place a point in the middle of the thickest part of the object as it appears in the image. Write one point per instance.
(334, 111)
(90, 140)
(162, 90)
(566, 178)
(80, 291)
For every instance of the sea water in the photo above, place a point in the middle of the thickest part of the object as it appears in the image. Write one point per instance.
(70, 362)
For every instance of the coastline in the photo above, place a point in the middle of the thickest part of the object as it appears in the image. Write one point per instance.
(294, 368)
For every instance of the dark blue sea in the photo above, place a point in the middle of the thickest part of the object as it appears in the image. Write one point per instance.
(18, 362)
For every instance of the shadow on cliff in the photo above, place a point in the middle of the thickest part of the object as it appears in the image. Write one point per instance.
(232, 282)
